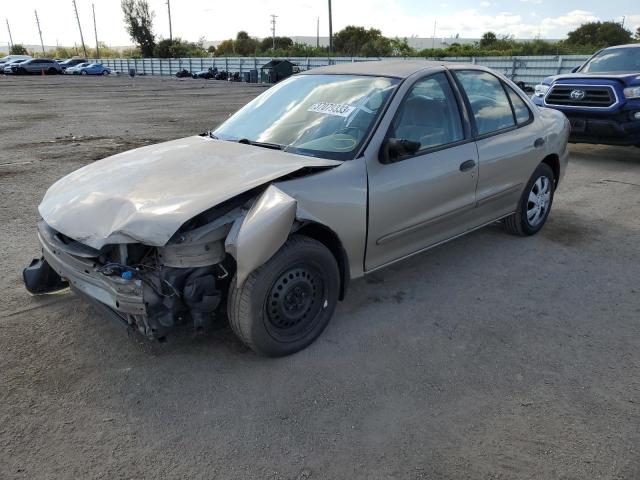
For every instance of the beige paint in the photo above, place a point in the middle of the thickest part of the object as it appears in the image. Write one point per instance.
(145, 195)
(254, 238)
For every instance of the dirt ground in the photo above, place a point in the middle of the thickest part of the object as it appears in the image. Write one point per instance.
(491, 357)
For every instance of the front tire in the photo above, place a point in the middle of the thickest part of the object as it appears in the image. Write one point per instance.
(83, 72)
(285, 304)
(535, 203)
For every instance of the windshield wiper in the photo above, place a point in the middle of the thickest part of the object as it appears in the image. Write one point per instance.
(273, 146)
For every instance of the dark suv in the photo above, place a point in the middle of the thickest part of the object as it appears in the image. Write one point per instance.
(601, 98)
(72, 62)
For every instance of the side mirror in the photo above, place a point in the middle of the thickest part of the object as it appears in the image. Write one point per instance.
(393, 149)
(575, 69)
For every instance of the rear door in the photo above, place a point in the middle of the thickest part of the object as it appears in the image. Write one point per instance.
(509, 147)
(427, 197)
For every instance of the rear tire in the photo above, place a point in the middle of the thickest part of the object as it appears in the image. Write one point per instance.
(285, 304)
(83, 72)
(535, 204)
(105, 73)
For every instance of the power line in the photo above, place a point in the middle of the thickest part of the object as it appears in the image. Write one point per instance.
(39, 31)
(95, 30)
(170, 31)
(84, 48)
(273, 30)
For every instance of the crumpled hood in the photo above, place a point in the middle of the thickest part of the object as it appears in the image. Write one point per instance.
(145, 195)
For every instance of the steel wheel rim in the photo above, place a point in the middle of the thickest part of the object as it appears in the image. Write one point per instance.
(294, 303)
(539, 201)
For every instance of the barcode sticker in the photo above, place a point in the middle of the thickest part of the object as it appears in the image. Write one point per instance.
(336, 109)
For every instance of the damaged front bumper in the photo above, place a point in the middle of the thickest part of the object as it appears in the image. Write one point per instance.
(152, 301)
(123, 296)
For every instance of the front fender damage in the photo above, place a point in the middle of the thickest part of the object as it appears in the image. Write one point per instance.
(256, 236)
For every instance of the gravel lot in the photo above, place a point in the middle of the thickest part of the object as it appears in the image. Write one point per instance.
(491, 357)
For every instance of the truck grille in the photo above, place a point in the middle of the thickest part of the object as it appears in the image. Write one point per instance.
(569, 95)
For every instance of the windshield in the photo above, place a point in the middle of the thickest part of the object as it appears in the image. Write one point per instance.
(326, 116)
(614, 60)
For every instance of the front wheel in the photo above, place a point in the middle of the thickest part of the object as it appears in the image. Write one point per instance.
(105, 73)
(285, 304)
(83, 72)
(535, 203)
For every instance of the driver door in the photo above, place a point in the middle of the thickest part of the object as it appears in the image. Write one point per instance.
(427, 197)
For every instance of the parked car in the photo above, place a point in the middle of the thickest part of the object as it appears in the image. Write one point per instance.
(209, 73)
(329, 175)
(37, 65)
(94, 69)
(601, 98)
(7, 69)
(4, 61)
(75, 70)
(72, 62)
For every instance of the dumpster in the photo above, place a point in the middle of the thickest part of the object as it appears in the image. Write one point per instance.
(276, 70)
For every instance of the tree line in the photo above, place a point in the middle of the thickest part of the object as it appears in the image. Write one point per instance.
(350, 41)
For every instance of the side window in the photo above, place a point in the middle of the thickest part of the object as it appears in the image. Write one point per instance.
(429, 114)
(522, 112)
(489, 102)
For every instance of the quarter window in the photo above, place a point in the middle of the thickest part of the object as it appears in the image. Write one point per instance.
(520, 109)
(429, 114)
(489, 102)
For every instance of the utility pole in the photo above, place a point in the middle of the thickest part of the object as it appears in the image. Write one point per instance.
(318, 33)
(170, 31)
(39, 31)
(95, 30)
(84, 48)
(10, 37)
(273, 30)
(433, 41)
(330, 30)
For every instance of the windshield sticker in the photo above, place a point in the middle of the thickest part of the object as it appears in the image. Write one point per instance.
(336, 109)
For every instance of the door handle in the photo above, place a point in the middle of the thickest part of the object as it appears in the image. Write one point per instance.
(539, 142)
(468, 165)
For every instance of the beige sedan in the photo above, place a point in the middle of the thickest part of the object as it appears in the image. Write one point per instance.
(329, 175)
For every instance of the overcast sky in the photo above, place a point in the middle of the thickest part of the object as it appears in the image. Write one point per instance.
(220, 19)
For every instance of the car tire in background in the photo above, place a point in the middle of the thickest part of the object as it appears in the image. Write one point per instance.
(52, 71)
(535, 203)
(21, 71)
(83, 72)
(285, 304)
(105, 73)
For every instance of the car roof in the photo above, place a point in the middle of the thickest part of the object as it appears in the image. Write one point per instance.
(384, 68)
(628, 45)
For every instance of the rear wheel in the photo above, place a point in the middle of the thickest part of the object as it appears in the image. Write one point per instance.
(83, 72)
(285, 304)
(52, 71)
(535, 203)
(105, 73)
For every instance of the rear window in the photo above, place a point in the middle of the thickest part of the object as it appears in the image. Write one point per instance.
(520, 109)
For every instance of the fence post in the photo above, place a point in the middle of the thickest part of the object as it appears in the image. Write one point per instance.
(473, 60)
(559, 69)
(190, 66)
(151, 60)
(226, 64)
